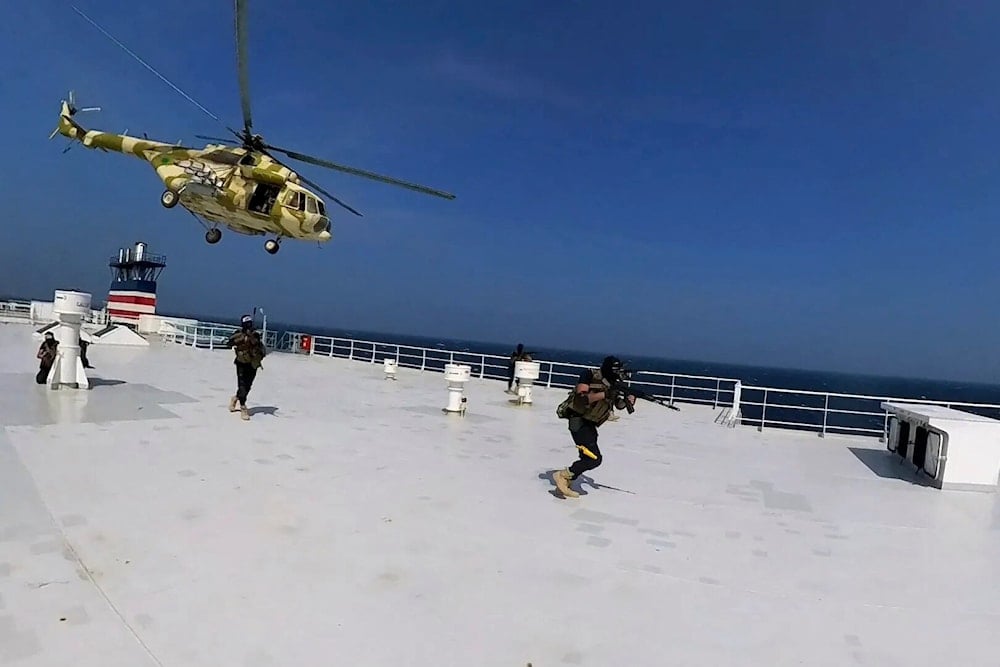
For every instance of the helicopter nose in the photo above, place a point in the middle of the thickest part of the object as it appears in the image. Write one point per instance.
(324, 236)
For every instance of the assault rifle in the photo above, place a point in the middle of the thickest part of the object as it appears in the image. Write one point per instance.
(624, 389)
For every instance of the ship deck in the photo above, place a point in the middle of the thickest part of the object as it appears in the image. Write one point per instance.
(351, 522)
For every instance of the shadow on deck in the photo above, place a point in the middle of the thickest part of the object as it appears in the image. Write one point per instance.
(887, 465)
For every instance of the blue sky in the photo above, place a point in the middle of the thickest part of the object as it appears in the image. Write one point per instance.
(807, 185)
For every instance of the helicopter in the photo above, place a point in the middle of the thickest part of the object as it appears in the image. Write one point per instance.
(240, 185)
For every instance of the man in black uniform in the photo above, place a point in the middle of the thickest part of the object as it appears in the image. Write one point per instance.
(588, 406)
(46, 357)
(249, 354)
(83, 353)
(518, 355)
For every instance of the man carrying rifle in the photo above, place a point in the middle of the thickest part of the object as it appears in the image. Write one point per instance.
(250, 352)
(588, 406)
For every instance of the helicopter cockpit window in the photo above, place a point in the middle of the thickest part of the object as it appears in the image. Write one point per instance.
(311, 205)
(322, 208)
(295, 201)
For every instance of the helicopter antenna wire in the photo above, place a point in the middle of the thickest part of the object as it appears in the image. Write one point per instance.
(144, 63)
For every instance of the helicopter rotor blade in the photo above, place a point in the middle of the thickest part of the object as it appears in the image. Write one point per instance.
(361, 172)
(241, 63)
(326, 194)
(219, 139)
(143, 63)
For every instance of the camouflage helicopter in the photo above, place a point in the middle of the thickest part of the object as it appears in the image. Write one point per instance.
(240, 185)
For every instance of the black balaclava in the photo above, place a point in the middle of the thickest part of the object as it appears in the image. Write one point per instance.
(611, 368)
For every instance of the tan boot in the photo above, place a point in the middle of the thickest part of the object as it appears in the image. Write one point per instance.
(232, 404)
(244, 414)
(562, 479)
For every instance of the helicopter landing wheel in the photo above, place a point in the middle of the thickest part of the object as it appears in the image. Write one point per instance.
(169, 198)
(272, 246)
(213, 235)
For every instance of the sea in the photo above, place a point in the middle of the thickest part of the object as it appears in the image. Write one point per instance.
(826, 411)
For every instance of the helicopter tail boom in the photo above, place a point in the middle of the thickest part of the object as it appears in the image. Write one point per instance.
(107, 141)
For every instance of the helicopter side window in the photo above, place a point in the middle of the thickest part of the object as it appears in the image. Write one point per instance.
(295, 201)
(311, 205)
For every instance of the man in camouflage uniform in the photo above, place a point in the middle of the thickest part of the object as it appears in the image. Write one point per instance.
(589, 405)
(249, 354)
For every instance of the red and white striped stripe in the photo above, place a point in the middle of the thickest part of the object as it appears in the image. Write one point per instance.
(129, 296)
(129, 305)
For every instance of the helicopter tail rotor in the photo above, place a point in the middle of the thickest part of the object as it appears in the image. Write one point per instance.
(67, 126)
(73, 110)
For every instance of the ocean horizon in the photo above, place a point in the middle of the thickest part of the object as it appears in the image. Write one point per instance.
(778, 377)
(757, 376)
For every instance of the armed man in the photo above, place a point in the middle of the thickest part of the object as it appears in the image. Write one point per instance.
(46, 356)
(588, 406)
(250, 352)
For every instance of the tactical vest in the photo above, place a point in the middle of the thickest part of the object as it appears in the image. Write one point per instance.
(249, 348)
(597, 412)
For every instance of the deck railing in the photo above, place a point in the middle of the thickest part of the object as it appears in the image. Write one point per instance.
(209, 335)
(20, 311)
(15, 310)
(669, 386)
(761, 407)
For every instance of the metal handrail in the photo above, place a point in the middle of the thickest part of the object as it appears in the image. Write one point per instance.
(21, 310)
(202, 335)
(824, 418)
(16, 310)
(208, 335)
(146, 258)
(493, 366)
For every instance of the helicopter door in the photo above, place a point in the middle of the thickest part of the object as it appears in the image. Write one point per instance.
(263, 198)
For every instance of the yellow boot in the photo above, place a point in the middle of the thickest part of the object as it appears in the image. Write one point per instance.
(232, 404)
(244, 413)
(562, 479)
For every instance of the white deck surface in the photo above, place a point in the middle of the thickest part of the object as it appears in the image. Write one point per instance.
(350, 522)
